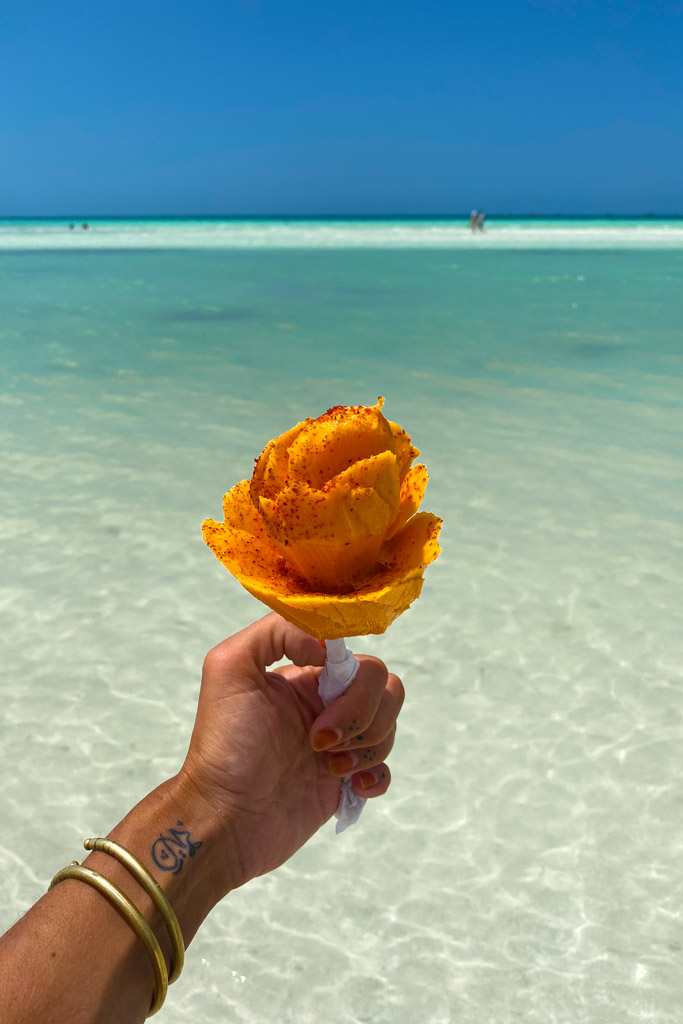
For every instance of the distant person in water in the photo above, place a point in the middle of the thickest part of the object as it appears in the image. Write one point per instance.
(474, 216)
(481, 217)
(71, 227)
(84, 226)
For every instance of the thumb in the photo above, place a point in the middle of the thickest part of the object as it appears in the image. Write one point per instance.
(269, 640)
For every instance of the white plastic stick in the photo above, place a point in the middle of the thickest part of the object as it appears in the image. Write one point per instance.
(338, 673)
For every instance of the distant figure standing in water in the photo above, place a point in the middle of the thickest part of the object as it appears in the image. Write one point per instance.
(474, 218)
(481, 217)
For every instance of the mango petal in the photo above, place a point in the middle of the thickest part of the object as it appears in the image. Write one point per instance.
(380, 472)
(239, 511)
(271, 472)
(416, 546)
(334, 441)
(406, 451)
(412, 493)
(331, 616)
(242, 544)
(236, 550)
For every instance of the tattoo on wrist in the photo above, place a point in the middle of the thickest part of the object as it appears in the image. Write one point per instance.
(171, 849)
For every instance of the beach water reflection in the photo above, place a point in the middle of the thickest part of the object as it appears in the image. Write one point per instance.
(525, 864)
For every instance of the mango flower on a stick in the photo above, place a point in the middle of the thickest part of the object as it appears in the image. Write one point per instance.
(327, 532)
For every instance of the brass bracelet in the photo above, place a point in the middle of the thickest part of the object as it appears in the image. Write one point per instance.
(132, 916)
(154, 891)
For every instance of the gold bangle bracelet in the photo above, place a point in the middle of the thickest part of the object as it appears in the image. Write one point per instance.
(154, 891)
(132, 916)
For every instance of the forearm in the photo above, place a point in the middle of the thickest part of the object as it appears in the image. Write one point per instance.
(73, 959)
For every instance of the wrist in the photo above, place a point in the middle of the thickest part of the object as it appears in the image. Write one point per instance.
(184, 844)
(75, 933)
(222, 868)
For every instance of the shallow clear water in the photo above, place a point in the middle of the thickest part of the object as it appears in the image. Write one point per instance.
(525, 864)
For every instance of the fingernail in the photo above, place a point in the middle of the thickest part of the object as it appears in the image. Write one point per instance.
(326, 738)
(340, 764)
(367, 779)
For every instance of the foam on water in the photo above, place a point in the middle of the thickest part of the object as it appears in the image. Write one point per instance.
(525, 864)
(185, 233)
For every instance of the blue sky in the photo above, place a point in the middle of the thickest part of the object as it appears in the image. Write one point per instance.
(253, 106)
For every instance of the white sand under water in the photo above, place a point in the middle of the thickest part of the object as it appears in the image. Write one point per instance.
(526, 862)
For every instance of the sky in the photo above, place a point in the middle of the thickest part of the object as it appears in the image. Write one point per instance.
(327, 107)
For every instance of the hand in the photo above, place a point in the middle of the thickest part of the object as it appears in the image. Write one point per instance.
(265, 754)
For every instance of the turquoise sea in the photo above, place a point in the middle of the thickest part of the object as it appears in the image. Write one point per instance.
(526, 862)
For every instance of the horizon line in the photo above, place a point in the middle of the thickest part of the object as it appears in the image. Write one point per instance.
(550, 215)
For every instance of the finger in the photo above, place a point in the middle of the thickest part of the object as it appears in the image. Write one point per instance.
(267, 641)
(346, 762)
(293, 673)
(384, 721)
(354, 710)
(304, 681)
(372, 783)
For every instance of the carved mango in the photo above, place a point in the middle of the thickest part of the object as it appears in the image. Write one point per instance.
(327, 531)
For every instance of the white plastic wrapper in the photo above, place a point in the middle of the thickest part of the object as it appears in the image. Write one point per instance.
(339, 672)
